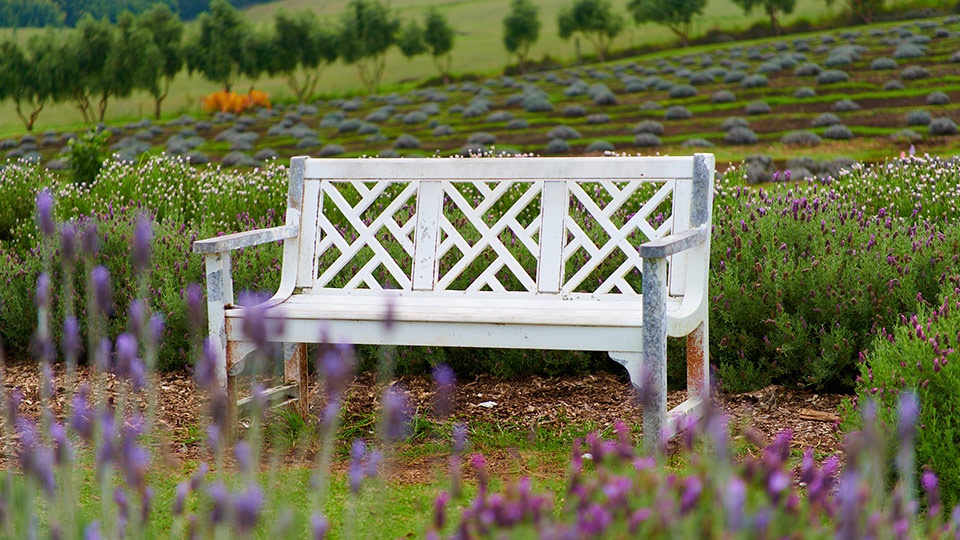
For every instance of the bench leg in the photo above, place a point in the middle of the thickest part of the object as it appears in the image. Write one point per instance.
(653, 385)
(698, 363)
(295, 372)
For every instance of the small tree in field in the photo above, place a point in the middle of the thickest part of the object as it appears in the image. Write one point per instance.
(521, 29)
(81, 63)
(864, 10)
(368, 30)
(132, 63)
(217, 49)
(595, 20)
(438, 35)
(434, 37)
(166, 31)
(677, 15)
(411, 40)
(28, 78)
(303, 46)
(773, 8)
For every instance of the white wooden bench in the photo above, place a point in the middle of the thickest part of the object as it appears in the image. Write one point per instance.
(540, 253)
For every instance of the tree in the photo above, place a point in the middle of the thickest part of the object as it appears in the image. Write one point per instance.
(774, 9)
(28, 77)
(438, 35)
(303, 47)
(677, 15)
(368, 30)
(521, 29)
(595, 20)
(30, 13)
(258, 55)
(81, 63)
(166, 32)
(217, 50)
(411, 39)
(133, 62)
(864, 10)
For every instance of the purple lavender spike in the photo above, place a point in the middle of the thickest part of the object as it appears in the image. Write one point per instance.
(396, 414)
(102, 289)
(445, 379)
(358, 452)
(246, 508)
(68, 241)
(142, 236)
(45, 213)
(319, 526)
(90, 239)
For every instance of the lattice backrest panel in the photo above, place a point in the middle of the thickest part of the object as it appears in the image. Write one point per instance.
(605, 225)
(485, 226)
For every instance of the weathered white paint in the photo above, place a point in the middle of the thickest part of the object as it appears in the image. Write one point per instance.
(423, 206)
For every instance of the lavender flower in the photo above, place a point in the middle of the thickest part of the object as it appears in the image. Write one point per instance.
(183, 489)
(244, 456)
(246, 508)
(931, 486)
(439, 509)
(336, 364)
(81, 418)
(70, 344)
(692, 488)
(445, 379)
(396, 414)
(102, 290)
(45, 213)
(92, 532)
(142, 236)
(90, 239)
(195, 305)
(358, 452)
(319, 526)
(734, 503)
(221, 501)
(68, 242)
(205, 372)
(43, 291)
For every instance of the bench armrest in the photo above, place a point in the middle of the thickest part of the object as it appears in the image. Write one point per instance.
(233, 241)
(674, 243)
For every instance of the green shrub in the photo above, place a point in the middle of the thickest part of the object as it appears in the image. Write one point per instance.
(803, 276)
(920, 354)
(86, 156)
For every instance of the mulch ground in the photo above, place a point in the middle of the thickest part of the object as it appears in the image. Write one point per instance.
(553, 403)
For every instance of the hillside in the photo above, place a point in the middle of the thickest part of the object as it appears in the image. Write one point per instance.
(864, 94)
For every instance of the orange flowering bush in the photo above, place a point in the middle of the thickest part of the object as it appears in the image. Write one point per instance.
(233, 102)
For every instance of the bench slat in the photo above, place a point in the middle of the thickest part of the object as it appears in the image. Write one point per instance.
(580, 168)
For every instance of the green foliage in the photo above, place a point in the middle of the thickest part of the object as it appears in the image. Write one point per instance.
(216, 51)
(919, 355)
(133, 62)
(87, 153)
(803, 276)
(30, 13)
(29, 78)
(19, 184)
(302, 45)
(411, 39)
(773, 8)
(166, 31)
(83, 62)
(595, 20)
(677, 15)
(863, 10)
(438, 36)
(521, 29)
(368, 29)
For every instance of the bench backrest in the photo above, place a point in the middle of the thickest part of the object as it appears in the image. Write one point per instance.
(549, 226)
